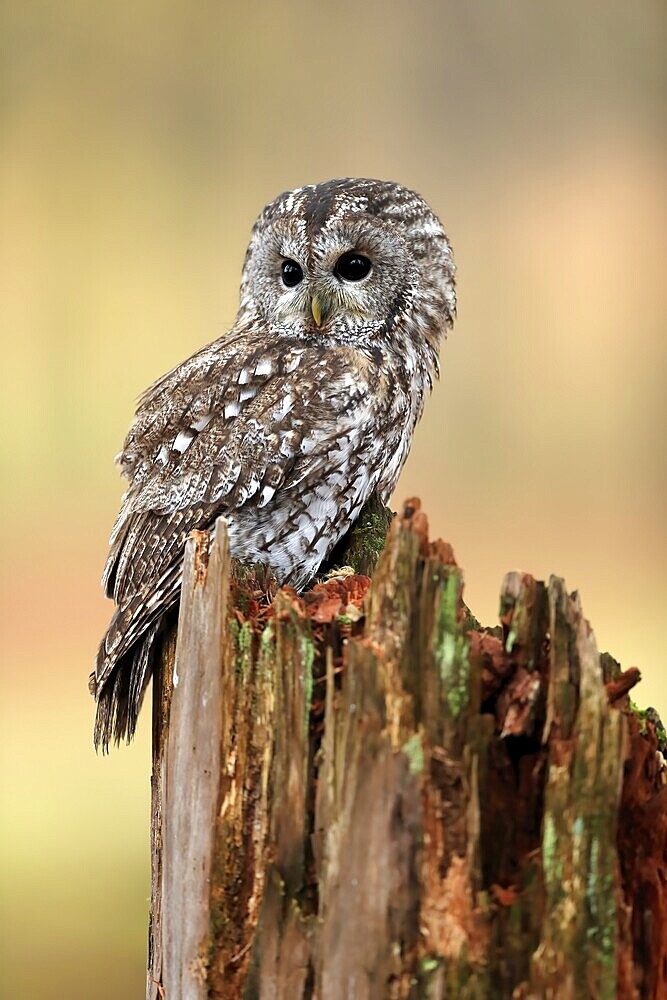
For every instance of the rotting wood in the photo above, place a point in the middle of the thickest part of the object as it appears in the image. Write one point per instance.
(394, 804)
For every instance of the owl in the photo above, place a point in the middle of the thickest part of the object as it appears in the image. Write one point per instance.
(287, 424)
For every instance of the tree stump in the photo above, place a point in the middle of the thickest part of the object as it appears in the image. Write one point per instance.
(359, 793)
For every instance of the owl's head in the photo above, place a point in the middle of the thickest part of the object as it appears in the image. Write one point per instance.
(350, 261)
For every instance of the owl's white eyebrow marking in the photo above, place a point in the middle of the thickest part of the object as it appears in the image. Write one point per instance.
(231, 410)
(183, 440)
(244, 376)
(264, 367)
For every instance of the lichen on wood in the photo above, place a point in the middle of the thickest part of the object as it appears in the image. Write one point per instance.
(404, 805)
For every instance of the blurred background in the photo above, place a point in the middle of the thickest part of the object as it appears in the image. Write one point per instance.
(139, 142)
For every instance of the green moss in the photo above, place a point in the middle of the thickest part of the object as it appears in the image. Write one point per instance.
(266, 637)
(265, 658)
(640, 713)
(414, 751)
(465, 980)
(365, 541)
(649, 715)
(451, 651)
(242, 601)
(244, 638)
(553, 865)
(307, 650)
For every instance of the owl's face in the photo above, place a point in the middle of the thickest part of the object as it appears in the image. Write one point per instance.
(349, 261)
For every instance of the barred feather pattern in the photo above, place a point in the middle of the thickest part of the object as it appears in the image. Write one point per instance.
(285, 425)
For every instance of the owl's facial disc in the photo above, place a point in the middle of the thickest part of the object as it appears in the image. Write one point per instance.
(325, 295)
(346, 279)
(351, 266)
(350, 261)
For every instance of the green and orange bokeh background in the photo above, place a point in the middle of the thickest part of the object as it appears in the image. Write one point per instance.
(139, 141)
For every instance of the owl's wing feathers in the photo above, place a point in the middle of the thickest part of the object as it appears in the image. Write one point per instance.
(187, 455)
(241, 423)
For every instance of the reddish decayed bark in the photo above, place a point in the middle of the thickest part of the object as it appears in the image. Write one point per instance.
(642, 853)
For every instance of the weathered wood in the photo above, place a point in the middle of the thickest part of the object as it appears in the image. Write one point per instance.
(162, 688)
(363, 796)
(578, 947)
(187, 774)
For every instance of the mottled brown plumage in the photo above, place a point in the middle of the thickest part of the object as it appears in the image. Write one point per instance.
(288, 423)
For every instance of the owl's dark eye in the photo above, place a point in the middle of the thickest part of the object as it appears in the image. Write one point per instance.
(352, 266)
(291, 272)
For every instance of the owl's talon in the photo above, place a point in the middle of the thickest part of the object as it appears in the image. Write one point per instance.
(340, 573)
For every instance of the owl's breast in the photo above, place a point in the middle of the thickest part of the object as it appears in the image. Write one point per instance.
(295, 533)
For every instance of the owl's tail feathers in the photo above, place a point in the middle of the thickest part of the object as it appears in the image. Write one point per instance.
(125, 661)
(120, 697)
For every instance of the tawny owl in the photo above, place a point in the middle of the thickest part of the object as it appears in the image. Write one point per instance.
(288, 423)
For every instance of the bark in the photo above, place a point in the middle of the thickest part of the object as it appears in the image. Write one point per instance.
(359, 793)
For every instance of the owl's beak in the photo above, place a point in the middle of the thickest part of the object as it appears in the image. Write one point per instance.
(316, 309)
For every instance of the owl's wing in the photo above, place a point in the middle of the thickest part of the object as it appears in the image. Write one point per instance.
(221, 428)
(228, 427)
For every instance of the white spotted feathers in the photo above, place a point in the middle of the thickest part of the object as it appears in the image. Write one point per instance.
(289, 423)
